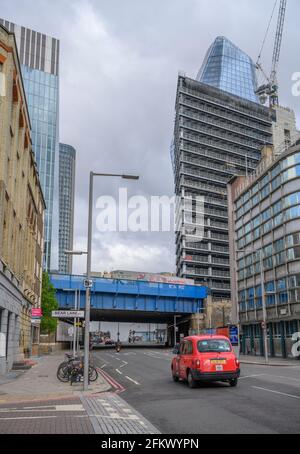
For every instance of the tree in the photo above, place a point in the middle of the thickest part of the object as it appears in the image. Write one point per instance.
(49, 304)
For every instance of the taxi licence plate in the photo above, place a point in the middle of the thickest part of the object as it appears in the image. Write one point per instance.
(219, 362)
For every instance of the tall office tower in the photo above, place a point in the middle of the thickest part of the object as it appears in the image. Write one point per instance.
(67, 160)
(217, 135)
(228, 68)
(39, 58)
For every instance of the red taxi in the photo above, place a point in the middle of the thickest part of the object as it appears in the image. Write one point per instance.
(205, 359)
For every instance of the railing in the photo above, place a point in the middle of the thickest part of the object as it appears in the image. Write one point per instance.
(199, 185)
(224, 137)
(225, 158)
(226, 126)
(220, 249)
(217, 112)
(215, 133)
(197, 246)
(240, 110)
(218, 236)
(217, 261)
(215, 144)
(219, 225)
(189, 171)
(221, 273)
(217, 285)
(207, 164)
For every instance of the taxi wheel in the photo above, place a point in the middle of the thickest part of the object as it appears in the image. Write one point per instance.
(175, 378)
(233, 383)
(191, 382)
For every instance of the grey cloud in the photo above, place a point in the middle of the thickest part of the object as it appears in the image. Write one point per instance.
(119, 65)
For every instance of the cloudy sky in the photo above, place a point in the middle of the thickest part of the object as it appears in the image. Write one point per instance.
(119, 65)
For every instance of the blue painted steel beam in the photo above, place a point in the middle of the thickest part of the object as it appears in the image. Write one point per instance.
(121, 295)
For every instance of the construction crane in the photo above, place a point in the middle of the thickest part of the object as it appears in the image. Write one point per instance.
(270, 89)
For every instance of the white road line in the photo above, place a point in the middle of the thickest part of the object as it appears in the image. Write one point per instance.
(58, 408)
(276, 392)
(252, 376)
(125, 364)
(119, 372)
(133, 381)
(285, 378)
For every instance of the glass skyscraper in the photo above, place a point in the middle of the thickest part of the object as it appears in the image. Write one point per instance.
(39, 58)
(67, 161)
(230, 69)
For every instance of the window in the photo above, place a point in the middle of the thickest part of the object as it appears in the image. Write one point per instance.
(214, 345)
(256, 222)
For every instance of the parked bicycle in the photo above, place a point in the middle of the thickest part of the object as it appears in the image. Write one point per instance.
(72, 370)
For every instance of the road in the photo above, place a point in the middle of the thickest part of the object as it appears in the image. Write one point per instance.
(266, 401)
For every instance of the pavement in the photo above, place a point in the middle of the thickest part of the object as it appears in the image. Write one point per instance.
(266, 400)
(35, 402)
(274, 362)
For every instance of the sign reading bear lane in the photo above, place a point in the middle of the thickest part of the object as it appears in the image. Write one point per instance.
(68, 314)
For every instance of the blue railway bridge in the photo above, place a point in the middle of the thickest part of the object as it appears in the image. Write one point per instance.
(130, 301)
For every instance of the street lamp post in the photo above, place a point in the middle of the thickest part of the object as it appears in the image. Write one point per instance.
(88, 271)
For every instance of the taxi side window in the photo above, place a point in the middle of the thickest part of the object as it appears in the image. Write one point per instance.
(189, 348)
(182, 348)
(186, 348)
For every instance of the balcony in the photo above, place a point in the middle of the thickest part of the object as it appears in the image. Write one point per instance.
(224, 137)
(219, 102)
(219, 225)
(219, 145)
(186, 170)
(205, 187)
(219, 237)
(228, 125)
(219, 157)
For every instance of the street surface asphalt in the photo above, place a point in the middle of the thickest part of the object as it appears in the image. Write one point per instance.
(266, 401)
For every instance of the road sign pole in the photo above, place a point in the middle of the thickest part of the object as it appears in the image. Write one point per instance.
(75, 327)
(88, 290)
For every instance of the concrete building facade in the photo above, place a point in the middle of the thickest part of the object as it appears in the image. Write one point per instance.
(217, 135)
(264, 230)
(67, 168)
(21, 213)
(284, 129)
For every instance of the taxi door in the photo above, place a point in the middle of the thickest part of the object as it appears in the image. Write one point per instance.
(185, 360)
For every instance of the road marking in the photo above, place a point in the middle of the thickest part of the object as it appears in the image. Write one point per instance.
(276, 392)
(252, 376)
(104, 365)
(123, 365)
(133, 381)
(56, 408)
(285, 378)
(119, 372)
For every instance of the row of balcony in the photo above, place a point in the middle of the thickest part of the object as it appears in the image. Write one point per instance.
(217, 145)
(203, 163)
(205, 272)
(215, 133)
(196, 105)
(206, 259)
(204, 186)
(205, 247)
(187, 170)
(240, 110)
(226, 126)
(227, 159)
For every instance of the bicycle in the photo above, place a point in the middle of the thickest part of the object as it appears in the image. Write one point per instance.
(74, 367)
